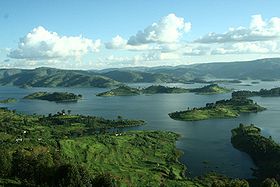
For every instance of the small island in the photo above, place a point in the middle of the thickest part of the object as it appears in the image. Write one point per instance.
(263, 150)
(210, 89)
(159, 89)
(230, 108)
(8, 100)
(120, 91)
(55, 96)
(129, 91)
(274, 92)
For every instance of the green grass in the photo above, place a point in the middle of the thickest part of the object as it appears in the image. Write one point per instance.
(134, 158)
(221, 109)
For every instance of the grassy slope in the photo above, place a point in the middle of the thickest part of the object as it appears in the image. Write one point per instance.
(140, 158)
(134, 158)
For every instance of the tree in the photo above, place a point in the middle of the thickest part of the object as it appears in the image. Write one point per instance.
(5, 163)
(71, 175)
(69, 112)
(269, 183)
(103, 180)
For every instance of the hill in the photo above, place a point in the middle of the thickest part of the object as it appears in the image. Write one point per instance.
(50, 77)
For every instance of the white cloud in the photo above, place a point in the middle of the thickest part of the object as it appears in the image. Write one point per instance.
(41, 44)
(259, 30)
(267, 47)
(168, 30)
(117, 43)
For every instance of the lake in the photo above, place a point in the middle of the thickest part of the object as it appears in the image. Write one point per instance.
(206, 144)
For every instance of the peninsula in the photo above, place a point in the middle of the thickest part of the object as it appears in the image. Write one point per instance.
(263, 150)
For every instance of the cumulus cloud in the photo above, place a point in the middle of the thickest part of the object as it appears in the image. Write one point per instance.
(117, 43)
(168, 30)
(267, 47)
(259, 30)
(41, 44)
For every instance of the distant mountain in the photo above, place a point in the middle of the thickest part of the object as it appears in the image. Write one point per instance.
(263, 69)
(256, 69)
(50, 77)
(130, 76)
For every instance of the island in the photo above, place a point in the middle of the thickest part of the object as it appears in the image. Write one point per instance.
(120, 91)
(274, 92)
(264, 151)
(55, 96)
(230, 108)
(210, 89)
(154, 89)
(8, 100)
(159, 89)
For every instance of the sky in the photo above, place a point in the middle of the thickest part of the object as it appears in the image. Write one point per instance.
(98, 34)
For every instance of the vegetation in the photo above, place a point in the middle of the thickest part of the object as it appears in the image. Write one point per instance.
(264, 152)
(159, 89)
(8, 100)
(210, 89)
(221, 109)
(55, 96)
(155, 89)
(121, 91)
(75, 150)
(274, 92)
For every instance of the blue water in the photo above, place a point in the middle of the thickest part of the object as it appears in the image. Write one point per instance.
(200, 141)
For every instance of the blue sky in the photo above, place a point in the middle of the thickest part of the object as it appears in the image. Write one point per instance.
(78, 34)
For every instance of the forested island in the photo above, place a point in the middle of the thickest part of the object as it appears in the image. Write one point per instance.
(154, 89)
(210, 89)
(159, 89)
(220, 109)
(55, 96)
(121, 91)
(274, 92)
(8, 100)
(264, 151)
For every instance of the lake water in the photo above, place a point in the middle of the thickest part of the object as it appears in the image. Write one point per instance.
(206, 144)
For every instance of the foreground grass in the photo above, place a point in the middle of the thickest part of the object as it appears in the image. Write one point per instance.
(135, 158)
